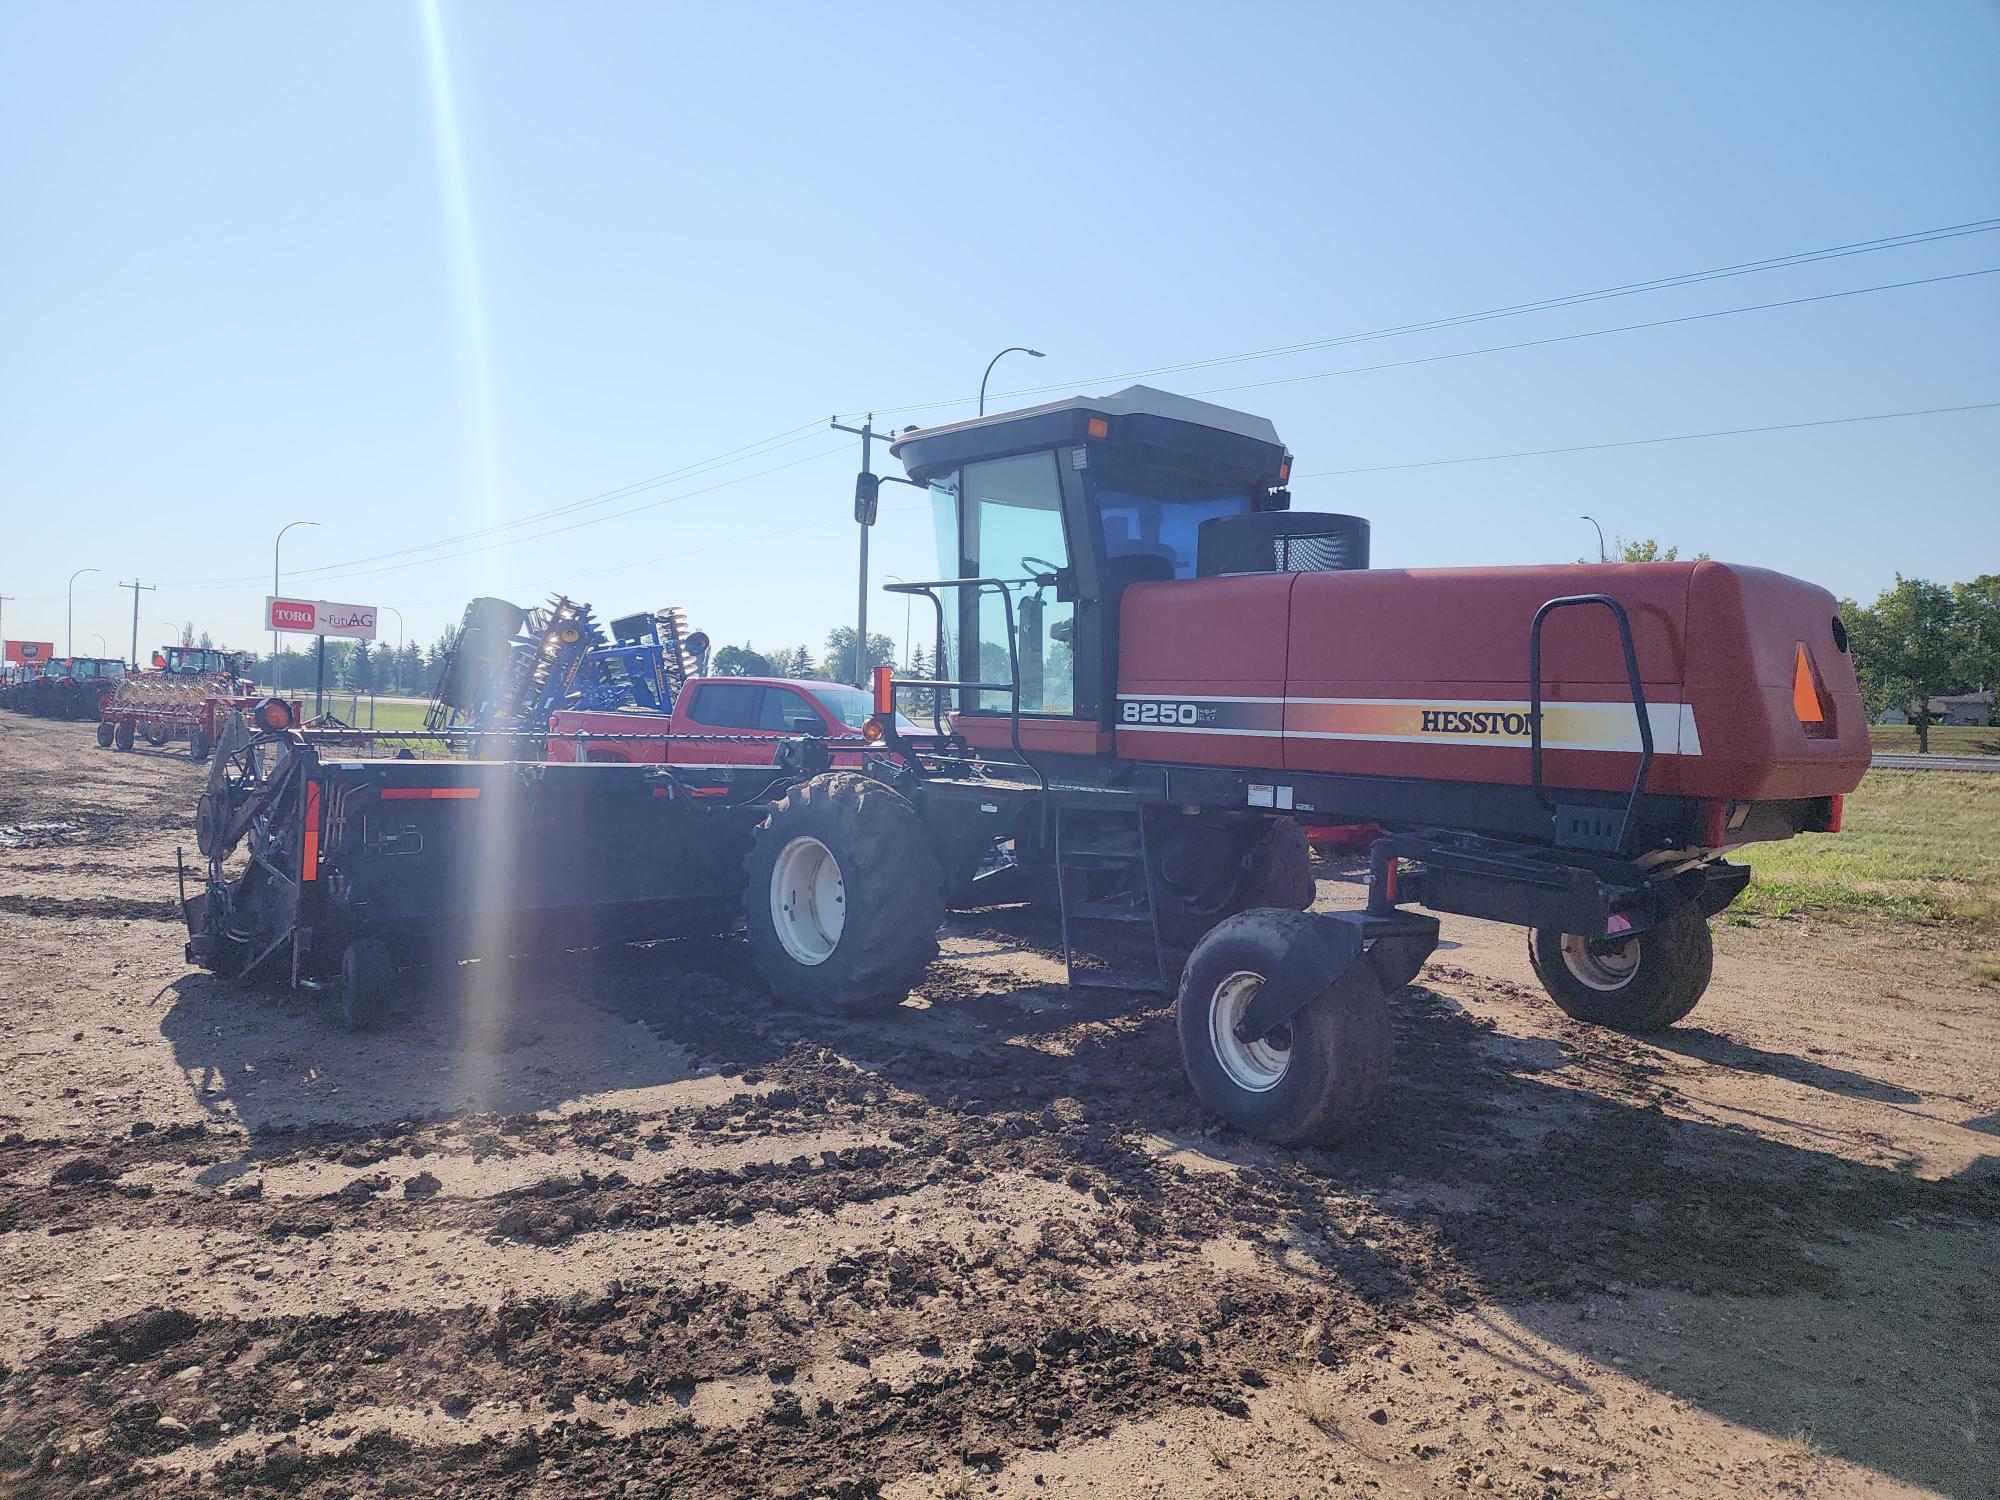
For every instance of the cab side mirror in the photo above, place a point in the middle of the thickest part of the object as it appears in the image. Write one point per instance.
(867, 495)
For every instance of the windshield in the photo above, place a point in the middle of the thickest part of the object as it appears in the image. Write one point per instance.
(853, 707)
(1163, 527)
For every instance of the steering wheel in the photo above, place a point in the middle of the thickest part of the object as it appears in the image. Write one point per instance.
(1040, 569)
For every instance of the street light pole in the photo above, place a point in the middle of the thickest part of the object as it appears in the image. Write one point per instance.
(274, 590)
(69, 643)
(398, 666)
(1600, 536)
(1016, 349)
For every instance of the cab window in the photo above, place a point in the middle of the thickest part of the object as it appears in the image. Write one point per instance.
(1013, 513)
(727, 705)
(781, 706)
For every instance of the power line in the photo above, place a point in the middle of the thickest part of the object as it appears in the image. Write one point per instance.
(1596, 333)
(328, 573)
(1635, 288)
(790, 437)
(424, 562)
(1679, 437)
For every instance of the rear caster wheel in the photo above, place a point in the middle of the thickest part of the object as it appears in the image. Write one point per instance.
(1644, 982)
(1316, 1078)
(366, 973)
(122, 735)
(105, 729)
(197, 745)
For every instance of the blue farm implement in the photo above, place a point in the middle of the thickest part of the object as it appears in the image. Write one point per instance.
(511, 668)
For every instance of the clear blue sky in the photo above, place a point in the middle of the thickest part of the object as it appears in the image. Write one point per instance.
(264, 262)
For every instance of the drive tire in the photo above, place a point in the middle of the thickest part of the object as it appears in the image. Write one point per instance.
(122, 735)
(853, 938)
(366, 976)
(105, 729)
(1646, 983)
(1331, 1078)
(1283, 875)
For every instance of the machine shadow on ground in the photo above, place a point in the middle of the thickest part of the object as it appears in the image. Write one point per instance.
(1546, 1173)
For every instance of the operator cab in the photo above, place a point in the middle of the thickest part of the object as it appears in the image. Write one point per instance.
(197, 661)
(1069, 504)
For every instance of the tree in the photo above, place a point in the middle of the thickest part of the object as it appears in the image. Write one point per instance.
(1978, 607)
(361, 671)
(410, 670)
(740, 661)
(1909, 647)
(839, 653)
(1645, 550)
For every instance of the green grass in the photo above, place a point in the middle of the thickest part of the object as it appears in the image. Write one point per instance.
(1957, 739)
(1920, 846)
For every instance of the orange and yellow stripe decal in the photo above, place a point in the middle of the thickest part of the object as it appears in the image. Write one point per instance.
(1608, 726)
(414, 793)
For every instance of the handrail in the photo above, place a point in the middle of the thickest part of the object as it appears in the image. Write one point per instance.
(1632, 679)
(1004, 588)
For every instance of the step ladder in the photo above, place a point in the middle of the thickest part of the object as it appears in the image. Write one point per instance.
(1104, 880)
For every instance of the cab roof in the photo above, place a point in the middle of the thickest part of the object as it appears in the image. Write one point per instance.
(1139, 415)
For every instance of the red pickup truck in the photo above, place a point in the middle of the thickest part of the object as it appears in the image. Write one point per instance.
(764, 708)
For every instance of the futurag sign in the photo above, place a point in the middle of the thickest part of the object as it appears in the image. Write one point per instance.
(317, 617)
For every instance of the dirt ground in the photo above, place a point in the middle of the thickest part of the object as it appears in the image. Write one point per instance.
(616, 1225)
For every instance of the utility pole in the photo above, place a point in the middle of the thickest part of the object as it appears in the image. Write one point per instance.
(866, 490)
(135, 586)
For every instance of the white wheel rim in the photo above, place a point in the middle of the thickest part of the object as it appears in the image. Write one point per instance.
(1256, 1067)
(1601, 966)
(808, 901)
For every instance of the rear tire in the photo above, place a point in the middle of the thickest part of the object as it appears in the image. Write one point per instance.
(366, 974)
(122, 735)
(1644, 983)
(1317, 1078)
(105, 729)
(843, 896)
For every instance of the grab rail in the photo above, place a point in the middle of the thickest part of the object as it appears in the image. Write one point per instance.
(1632, 679)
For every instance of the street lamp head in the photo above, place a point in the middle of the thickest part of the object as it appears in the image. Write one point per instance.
(1037, 353)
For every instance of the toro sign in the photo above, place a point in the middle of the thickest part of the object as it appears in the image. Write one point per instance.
(31, 651)
(317, 617)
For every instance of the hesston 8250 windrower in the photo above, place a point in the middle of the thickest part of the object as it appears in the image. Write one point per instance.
(1153, 673)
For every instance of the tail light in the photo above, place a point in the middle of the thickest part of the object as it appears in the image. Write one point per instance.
(885, 690)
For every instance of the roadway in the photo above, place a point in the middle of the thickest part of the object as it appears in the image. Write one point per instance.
(1900, 762)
